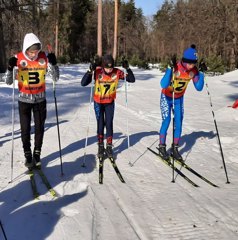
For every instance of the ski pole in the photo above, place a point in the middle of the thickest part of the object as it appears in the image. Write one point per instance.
(173, 127)
(57, 119)
(126, 98)
(89, 118)
(4, 234)
(218, 136)
(132, 164)
(13, 120)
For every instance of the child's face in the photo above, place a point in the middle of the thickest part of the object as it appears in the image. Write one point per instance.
(32, 53)
(189, 66)
(108, 70)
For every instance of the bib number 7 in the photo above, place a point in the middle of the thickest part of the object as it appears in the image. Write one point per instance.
(107, 87)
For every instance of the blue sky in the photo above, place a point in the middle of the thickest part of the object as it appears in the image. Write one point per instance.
(149, 7)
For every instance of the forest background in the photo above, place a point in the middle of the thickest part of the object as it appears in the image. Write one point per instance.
(212, 25)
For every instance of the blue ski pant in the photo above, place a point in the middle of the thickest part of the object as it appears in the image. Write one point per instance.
(166, 106)
(104, 114)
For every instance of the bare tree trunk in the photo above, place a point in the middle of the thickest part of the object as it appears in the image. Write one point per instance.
(2, 47)
(99, 52)
(36, 16)
(57, 29)
(125, 45)
(115, 30)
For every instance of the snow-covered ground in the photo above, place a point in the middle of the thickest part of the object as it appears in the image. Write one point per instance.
(148, 206)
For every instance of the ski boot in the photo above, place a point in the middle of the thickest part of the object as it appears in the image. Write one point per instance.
(100, 150)
(109, 150)
(175, 153)
(28, 160)
(36, 159)
(162, 152)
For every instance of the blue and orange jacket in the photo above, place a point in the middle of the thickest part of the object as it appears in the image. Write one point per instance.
(178, 80)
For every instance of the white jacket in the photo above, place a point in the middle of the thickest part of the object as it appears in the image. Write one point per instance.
(29, 40)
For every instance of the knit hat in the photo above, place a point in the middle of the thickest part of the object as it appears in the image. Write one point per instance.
(108, 61)
(36, 46)
(190, 55)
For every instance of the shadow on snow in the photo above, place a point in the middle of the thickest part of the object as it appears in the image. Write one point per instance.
(188, 140)
(35, 221)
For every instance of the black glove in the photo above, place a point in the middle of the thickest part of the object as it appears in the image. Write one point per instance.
(12, 62)
(92, 66)
(125, 63)
(173, 61)
(52, 59)
(202, 66)
(96, 62)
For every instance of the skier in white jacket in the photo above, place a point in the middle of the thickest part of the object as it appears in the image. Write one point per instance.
(32, 64)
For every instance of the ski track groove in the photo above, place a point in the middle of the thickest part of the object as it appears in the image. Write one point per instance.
(106, 218)
(103, 218)
(62, 234)
(94, 212)
(94, 218)
(157, 230)
(148, 212)
(126, 212)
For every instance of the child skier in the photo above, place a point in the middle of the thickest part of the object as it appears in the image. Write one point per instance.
(106, 80)
(174, 84)
(32, 64)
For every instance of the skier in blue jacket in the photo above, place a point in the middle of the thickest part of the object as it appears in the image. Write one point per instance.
(174, 84)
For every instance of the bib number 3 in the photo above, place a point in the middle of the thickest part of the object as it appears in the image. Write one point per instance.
(34, 78)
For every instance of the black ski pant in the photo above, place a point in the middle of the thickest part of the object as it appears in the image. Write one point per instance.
(39, 113)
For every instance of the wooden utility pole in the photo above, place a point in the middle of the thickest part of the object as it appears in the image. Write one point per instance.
(115, 30)
(2, 44)
(99, 52)
(57, 29)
